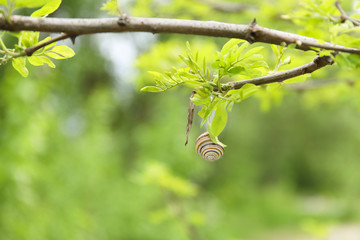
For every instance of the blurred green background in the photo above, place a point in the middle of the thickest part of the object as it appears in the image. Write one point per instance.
(85, 155)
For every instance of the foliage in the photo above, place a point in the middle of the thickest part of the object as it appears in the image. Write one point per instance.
(233, 60)
(111, 7)
(27, 39)
(233, 63)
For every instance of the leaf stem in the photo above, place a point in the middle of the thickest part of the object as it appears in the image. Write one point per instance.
(317, 63)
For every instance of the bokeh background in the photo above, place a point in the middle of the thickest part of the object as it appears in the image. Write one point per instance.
(85, 155)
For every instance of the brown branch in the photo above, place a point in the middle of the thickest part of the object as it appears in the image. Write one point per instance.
(30, 51)
(251, 32)
(344, 16)
(319, 62)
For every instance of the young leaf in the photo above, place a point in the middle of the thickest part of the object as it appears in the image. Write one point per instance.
(151, 89)
(29, 38)
(19, 65)
(241, 49)
(248, 90)
(163, 82)
(231, 43)
(252, 52)
(111, 6)
(48, 8)
(40, 60)
(60, 52)
(276, 50)
(220, 118)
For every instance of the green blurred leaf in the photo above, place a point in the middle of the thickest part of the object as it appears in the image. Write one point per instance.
(112, 7)
(49, 7)
(248, 90)
(20, 65)
(236, 70)
(276, 51)
(159, 175)
(241, 49)
(29, 38)
(40, 60)
(151, 89)
(252, 52)
(230, 44)
(220, 118)
(60, 52)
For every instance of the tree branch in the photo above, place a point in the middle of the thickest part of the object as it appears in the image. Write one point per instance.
(30, 51)
(251, 32)
(319, 62)
(344, 16)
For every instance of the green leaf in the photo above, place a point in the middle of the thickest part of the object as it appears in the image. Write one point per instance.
(207, 109)
(48, 8)
(220, 118)
(252, 52)
(151, 89)
(192, 83)
(19, 65)
(241, 49)
(236, 70)
(60, 52)
(29, 38)
(198, 99)
(240, 94)
(40, 60)
(248, 90)
(227, 46)
(111, 6)
(164, 82)
(275, 49)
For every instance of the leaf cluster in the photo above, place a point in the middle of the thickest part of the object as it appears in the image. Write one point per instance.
(112, 8)
(28, 39)
(235, 60)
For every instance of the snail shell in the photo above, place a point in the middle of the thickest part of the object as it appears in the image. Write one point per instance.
(207, 149)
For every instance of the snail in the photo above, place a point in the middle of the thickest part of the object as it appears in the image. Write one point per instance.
(207, 149)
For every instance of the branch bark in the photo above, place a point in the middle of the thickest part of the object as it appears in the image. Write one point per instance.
(344, 16)
(30, 51)
(251, 32)
(319, 62)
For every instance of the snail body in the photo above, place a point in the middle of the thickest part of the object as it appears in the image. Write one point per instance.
(207, 149)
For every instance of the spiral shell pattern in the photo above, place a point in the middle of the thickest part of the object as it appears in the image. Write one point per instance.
(207, 149)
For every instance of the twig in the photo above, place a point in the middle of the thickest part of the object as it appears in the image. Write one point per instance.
(30, 51)
(344, 16)
(251, 32)
(319, 62)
